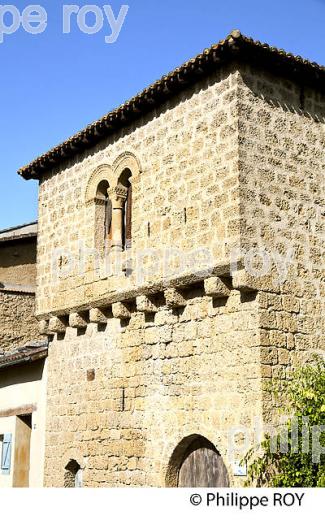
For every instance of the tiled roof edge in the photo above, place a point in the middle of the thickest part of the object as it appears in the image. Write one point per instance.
(234, 46)
(17, 288)
(29, 354)
(20, 226)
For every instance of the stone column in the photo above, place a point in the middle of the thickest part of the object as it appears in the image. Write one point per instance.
(118, 197)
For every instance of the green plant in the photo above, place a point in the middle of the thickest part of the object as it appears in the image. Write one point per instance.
(300, 460)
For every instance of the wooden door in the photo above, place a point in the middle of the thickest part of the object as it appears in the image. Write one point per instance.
(203, 467)
(22, 451)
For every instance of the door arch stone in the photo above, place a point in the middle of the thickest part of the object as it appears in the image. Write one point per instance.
(196, 462)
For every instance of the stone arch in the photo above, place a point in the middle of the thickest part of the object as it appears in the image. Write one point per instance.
(126, 161)
(73, 474)
(196, 448)
(126, 170)
(100, 174)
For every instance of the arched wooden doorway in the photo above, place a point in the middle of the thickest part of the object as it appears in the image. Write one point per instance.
(197, 463)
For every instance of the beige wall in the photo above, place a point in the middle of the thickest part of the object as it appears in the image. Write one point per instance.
(187, 372)
(237, 153)
(17, 305)
(281, 154)
(18, 262)
(18, 324)
(21, 387)
(187, 153)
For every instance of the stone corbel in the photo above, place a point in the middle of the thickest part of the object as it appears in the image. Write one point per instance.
(216, 288)
(145, 304)
(121, 311)
(174, 298)
(98, 316)
(78, 320)
(57, 325)
(43, 328)
(244, 282)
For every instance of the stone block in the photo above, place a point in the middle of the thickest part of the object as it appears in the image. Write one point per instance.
(174, 298)
(43, 327)
(57, 325)
(145, 304)
(216, 288)
(98, 316)
(244, 282)
(121, 311)
(78, 320)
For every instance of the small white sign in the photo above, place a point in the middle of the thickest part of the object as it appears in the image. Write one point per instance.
(240, 470)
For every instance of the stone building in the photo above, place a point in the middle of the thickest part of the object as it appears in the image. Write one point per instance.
(17, 286)
(180, 269)
(22, 363)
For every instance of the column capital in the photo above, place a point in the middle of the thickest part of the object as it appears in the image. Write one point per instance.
(118, 196)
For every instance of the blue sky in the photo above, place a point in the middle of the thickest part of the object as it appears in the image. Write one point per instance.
(53, 84)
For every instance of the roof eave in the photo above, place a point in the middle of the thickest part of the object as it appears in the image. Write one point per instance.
(234, 46)
(24, 360)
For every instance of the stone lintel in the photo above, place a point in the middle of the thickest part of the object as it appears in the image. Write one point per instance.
(121, 310)
(78, 320)
(175, 298)
(216, 288)
(97, 315)
(22, 410)
(57, 325)
(146, 304)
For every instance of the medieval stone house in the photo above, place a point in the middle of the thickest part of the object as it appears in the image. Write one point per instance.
(180, 268)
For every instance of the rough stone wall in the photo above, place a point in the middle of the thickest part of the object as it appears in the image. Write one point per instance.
(282, 206)
(18, 262)
(157, 380)
(246, 164)
(188, 156)
(18, 324)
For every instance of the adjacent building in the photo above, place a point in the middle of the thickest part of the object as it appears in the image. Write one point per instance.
(17, 286)
(23, 355)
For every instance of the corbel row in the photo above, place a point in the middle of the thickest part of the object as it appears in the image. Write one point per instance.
(175, 297)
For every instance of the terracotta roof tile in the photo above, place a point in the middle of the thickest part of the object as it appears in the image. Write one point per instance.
(33, 351)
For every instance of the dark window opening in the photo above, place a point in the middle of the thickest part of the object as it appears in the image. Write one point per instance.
(73, 475)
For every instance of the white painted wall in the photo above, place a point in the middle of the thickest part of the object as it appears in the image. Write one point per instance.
(19, 387)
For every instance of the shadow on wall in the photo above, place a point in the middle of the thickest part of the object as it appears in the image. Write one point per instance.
(16, 254)
(19, 374)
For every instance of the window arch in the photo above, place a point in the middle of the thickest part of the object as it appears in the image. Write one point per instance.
(99, 205)
(103, 215)
(109, 195)
(126, 168)
(196, 462)
(73, 475)
(126, 182)
(103, 199)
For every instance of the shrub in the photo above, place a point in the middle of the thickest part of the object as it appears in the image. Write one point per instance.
(302, 462)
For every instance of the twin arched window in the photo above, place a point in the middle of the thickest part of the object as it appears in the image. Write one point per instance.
(114, 219)
(109, 195)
